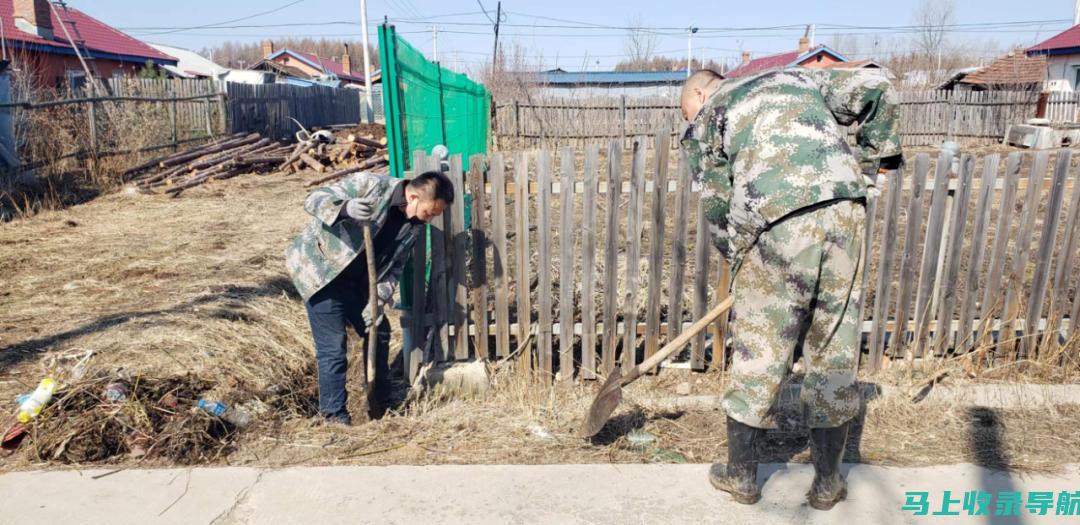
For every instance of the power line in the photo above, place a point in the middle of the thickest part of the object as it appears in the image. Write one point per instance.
(249, 17)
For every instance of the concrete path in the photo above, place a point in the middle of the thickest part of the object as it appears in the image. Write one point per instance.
(493, 494)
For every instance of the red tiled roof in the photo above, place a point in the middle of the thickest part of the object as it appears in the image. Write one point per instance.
(761, 64)
(100, 38)
(1063, 40)
(329, 66)
(1011, 69)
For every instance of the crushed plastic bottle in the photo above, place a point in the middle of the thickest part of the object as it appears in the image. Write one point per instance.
(32, 405)
(217, 408)
(115, 392)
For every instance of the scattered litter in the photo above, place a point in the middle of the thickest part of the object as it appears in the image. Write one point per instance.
(115, 392)
(640, 437)
(540, 432)
(683, 389)
(30, 407)
(219, 409)
(663, 455)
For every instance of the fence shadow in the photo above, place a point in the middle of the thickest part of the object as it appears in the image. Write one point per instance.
(16, 353)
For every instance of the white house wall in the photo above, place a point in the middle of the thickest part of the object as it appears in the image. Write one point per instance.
(1063, 67)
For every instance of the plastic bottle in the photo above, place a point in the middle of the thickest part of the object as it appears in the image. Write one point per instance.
(31, 406)
(219, 409)
(115, 392)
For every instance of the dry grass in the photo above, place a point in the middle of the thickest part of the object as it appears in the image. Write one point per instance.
(162, 288)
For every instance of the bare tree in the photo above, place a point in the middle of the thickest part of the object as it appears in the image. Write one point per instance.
(640, 43)
(932, 19)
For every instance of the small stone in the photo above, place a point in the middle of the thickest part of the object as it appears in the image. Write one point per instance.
(683, 389)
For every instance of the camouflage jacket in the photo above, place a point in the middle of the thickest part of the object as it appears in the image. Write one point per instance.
(330, 242)
(770, 144)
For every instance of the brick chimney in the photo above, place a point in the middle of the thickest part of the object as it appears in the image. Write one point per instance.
(267, 48)
(745, 57)
(33, 16)
(346, 61)
(804, 45)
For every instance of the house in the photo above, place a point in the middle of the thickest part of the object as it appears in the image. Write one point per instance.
(817, 57)
(35, 36)
(1062, 53)
(588, 84)
(1014, 72)
(189, 63)
(295, 67)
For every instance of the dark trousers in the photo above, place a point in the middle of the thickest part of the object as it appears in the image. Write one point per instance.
(340, 302)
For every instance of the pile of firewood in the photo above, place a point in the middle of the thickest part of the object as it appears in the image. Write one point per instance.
(328, 154)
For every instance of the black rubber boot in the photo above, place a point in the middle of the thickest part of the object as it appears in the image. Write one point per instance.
(827, 452)
(739, 476)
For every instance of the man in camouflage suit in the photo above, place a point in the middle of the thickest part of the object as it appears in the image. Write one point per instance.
(784, 197)
(328, 265)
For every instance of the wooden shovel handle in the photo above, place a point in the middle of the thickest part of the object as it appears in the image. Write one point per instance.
(373, 300)
(680, 341)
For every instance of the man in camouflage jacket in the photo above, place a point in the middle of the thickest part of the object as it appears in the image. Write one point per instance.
(328, 265)
(784, 197)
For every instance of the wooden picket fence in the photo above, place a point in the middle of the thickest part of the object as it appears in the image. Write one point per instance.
(927, 117)
(575, 257)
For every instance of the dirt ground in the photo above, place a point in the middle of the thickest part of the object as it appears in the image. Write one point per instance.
(163, 288)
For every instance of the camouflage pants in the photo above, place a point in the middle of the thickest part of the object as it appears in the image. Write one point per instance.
(799, 285)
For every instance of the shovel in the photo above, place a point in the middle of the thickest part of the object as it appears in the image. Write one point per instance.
(611, 393)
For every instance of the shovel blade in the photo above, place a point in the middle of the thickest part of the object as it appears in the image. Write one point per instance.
(603, 404)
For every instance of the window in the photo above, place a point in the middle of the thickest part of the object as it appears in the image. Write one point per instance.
(1076, 77)
(75, 79)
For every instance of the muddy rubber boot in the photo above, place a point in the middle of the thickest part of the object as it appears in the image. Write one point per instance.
(739, 476)
(827, 453)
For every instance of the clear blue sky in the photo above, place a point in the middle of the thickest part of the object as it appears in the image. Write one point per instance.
(465, 35)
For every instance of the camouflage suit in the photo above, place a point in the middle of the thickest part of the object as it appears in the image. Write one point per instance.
(328, 243)
(784, 197)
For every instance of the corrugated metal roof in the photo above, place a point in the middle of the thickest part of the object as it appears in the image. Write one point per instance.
(1070, 38)
(102, 40)
(558, 76)
(780, 60)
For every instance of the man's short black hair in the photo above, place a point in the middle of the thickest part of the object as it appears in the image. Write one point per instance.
(434, 185)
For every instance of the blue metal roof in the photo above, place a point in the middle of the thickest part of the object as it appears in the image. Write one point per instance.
(558, 76)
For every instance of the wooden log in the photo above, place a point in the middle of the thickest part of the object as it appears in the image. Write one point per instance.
(908, 262)
(634, 229)
(610, 257)
(978, 249)
(543, 296)
(567, 234)
(993, 293)
(312, 163)
(500, 257)
(883, 286)
(1045, 253)
(156, 162)
(199, 152)
(656, 243)
(678, 246)
(588, 264)
(479, 240)
(377, 144)
(295, 155)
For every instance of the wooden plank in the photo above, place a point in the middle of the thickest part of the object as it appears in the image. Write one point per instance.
(702, 247)
(656, 243)
(978, 249)
(1022, 253)
(610, 258)
(441, 262)
(1041, 277)
(544, 291)
(414, 356)
(883, 285)
(678, 246)
(460, 294)
(867, 249)
(588, 265)
(521, 247)
(931, 248)
(898, 341)
(567, 234)
(954, 243)
(993, 293)
(1066, 259)
(500, 263)
(634, 229)
(479, 239)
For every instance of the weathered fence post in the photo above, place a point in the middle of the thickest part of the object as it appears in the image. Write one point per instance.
(92, 115)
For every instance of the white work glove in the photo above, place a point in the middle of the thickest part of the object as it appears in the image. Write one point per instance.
(385, 292)
(872, 189)
(359, 209)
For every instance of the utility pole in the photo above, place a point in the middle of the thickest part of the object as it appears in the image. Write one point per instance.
(1076, 13)
(495, 52)
(690, 48)
(434, 43)
(367, 62)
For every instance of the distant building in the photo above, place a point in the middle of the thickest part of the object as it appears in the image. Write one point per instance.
(1013, 72)
(817, 57)
(189, 63)
(296, 67)
(592, 84)
(1062, 52)
(34, 37)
